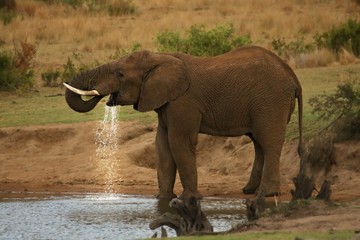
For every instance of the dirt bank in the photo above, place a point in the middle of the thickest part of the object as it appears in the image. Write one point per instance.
(63, 159)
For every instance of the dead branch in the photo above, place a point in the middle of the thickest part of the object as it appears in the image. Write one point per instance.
(189, 218)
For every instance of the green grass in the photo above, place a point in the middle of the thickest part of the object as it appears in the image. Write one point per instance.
(39, 109)
(345, 235)
(45, 108)
(316, 81)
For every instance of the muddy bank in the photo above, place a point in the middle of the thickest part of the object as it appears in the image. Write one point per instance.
(62, 158)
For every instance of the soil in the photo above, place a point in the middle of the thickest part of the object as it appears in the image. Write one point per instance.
(63, 159)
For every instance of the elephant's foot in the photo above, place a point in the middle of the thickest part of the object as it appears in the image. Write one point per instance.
(166, 195)
(269, 190)
(191, 194)
(250, 188)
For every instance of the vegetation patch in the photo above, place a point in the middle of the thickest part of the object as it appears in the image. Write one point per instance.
(201, 42)
(292, 48)
(15, 67)
(112, 7)
(346, 35)
(342, 107)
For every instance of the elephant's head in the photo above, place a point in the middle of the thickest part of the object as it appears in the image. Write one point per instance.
(143, 79)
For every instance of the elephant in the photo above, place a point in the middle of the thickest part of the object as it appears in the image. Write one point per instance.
(247, 91)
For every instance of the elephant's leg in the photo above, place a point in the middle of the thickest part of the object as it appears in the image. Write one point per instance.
(271, 137)
(183, 136)
(183, 149)
(257, 169)
(271, 142)
(166, 167)
(270, 181)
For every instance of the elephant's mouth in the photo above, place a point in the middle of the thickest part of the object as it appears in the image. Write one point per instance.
(112, 100)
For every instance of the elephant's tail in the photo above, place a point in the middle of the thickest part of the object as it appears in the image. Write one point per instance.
(300, 114)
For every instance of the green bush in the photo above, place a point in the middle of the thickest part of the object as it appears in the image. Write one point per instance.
(292, 48)
(341, 108)
(6, 16)
(200, 42)
(12, 78)
(15, 70)
(346, 35)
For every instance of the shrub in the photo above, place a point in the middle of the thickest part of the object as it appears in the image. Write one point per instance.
(292, 48)
(200, 42)
(24, 52)
(113, 7)
(73, 3)
(346, 35)
(7, 11)
(120, 52)
(15, 71)
(342, 108)
(70, 69)
(8, 4)
(121, 7)
(51, 78)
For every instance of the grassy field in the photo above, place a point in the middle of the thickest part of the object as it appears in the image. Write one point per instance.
(59, 30)
(340, 235)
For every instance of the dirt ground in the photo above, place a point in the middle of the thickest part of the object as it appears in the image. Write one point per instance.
(63, 158)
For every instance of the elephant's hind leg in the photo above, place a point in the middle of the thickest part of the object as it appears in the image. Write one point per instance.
(270, 181)
(271, 139)
(257, 169)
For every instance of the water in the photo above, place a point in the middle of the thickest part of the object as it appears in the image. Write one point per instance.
(99, 216)
(106, 141)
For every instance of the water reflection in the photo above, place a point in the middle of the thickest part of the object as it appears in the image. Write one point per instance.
(99, 216)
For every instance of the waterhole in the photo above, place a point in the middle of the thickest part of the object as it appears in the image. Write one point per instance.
(99, 216)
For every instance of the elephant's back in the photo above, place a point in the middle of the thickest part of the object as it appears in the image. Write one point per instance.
(240, 82)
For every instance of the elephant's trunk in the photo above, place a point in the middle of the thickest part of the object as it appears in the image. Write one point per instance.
(88, 83)
(76, 103)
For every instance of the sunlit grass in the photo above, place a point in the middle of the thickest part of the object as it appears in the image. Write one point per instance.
(317, 81)
(340, 235)
(45, 108)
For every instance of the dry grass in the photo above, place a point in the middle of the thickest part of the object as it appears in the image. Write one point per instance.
(61, 30)
(318, 58)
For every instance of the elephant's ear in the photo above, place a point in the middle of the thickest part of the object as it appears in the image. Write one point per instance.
(165, 81)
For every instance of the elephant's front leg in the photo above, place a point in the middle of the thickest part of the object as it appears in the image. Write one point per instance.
(166, 167)
(183, 139)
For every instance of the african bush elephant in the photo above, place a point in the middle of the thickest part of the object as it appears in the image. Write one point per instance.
(248, 91)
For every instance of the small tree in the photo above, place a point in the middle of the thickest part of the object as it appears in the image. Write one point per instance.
(342, 108)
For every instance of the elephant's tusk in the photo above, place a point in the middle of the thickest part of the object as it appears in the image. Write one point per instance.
(82, 92)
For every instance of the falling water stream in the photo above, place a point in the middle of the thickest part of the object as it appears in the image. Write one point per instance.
(106, 141)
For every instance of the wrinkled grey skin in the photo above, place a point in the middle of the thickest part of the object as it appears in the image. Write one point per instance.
(248, 91)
